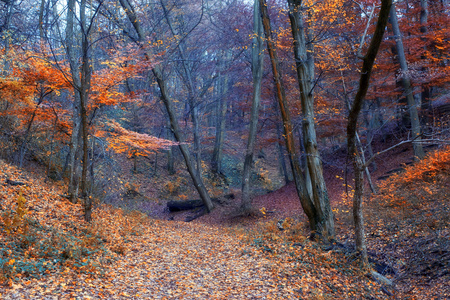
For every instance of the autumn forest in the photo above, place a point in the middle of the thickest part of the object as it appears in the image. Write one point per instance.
(234, 149)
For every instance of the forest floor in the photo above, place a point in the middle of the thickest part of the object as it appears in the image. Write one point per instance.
(47, 251)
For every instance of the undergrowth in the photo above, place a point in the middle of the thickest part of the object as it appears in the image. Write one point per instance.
(325, 272)
(408, 225)
(42, 233)
(29, 248)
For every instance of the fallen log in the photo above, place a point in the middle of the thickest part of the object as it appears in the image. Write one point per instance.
(180, 205)
(176, 205)
(13, 182)
(200, 212)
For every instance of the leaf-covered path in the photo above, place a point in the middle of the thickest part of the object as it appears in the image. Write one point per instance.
(191, 261)
(172, 261)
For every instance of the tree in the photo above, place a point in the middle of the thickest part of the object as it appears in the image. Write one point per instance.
(317, 223)
(406, 81)
(81, 71)
(196, 178)
(305, 65)
(257, 72)
(358, 166)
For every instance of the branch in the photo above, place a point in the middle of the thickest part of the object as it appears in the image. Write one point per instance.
(388, 149)
(358, 53)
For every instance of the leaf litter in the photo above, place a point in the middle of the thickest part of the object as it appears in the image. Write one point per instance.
(126, 255)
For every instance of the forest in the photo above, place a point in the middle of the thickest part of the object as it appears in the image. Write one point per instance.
(224, 149)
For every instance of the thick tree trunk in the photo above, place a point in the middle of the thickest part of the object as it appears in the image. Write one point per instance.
(281, 159)
(368, 62)
(305, 200)
(324, 217)
(257, 72)
(84, 96)
(412, 108)
(196, 178)
(304, 161)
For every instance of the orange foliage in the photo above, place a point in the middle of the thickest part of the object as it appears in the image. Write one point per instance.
(120, 66)
(122, 140)
(419, 179)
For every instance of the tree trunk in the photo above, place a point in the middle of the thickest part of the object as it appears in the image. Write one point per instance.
(6, 33)
(75, 139)
(368, 62)
(257, 72)
(305, 200)
(412, 109)
(84, 96)
(281, 159)
(189, 83)
(324, 215)
(23, 146)
(304, 161)
(222, 107)
(425, 95)
(196, 178)
(216, 161)
(358, 140)
(170, 153)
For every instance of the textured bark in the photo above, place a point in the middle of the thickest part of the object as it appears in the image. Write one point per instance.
(406, 82)
(257, 73)
(324, 215)
(196, 178)
(305, 200)
(84, 96)
(366, 71)
(281, 159)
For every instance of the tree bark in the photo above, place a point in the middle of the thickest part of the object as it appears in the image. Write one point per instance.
(406, 82)
(281, 159)
(257, 73)
(196, 178)
(366, 70)
(76, 82)
(305, 200)
(358, 141)
(84, 96)
(324, 217)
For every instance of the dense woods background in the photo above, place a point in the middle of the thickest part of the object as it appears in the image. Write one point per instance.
(135, 104)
